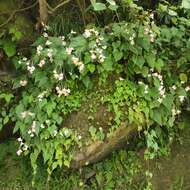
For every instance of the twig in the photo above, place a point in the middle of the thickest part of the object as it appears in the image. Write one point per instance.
(16, 11)
(58, 6)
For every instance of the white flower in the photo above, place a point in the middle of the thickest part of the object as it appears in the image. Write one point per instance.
(132, 42)
(187, 88)
(93, 56)
(66, 132)
(173, 112)
(146, 30)
(120, 78)
(26, 113)
(19, 139)
(57, 76)
(48, 43)
(155, 74)
(160, 100)
(41, 63)
(19, 152)
(25, 148)
(81, 67)
(62, 37)
(54, 133)
(24, 59)
(152, 37)
(63, 91)
(39, 49)
(162, 91)
(64, 43)
(42, 126)
(178, 111)
(75, 60)
(50, 53)
(87, 33)
(181, 98)
(152, 15)
(73, 32)
(69, 50)
(174, 87)
(79, 137)
(33, 126)
(41, 96)
(31, 69)
(45, 34)
(23, 82)
(32, 135)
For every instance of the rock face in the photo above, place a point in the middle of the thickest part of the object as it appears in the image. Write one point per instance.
(100, 149)
(96, 150)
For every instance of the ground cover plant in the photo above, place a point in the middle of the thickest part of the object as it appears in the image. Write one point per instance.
(135, 65)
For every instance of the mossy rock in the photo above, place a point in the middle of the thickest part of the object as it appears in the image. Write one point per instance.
(94, 149)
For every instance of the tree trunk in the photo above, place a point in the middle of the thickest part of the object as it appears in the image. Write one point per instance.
(43, 10)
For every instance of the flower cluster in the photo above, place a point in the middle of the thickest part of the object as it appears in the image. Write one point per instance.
(50, 54)
(41, 95)
(26, 113)
(175, 112)
(69, 50)
(145, 87)
(161, 89)
(39, 49)
(23, 82)
(150, 33)
(41, 63)
(78, 63)
(32, 131)
(97, 51)
(23, 146)
(63, 40)
(30, 68)
(57, 76)
(63, 91)
(131, 39)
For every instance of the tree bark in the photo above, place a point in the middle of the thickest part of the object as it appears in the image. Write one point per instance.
(43, 10)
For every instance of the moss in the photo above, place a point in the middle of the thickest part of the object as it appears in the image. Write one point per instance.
(20, 22)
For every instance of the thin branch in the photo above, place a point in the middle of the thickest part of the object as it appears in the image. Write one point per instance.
(52, 10)
(16, 11)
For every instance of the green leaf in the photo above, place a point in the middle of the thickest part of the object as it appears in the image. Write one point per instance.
(117, 54)
(108, 64)
(99, 6)
(185, 4)
(6, 120)
(91, 67)
(183, 77)
(168, 101)
(159, 64)
(157, 116)
(50, 106)
(9, 48)
(78, 42)
(150, 58)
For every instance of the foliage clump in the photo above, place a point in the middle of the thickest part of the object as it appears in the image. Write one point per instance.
(148, 61)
